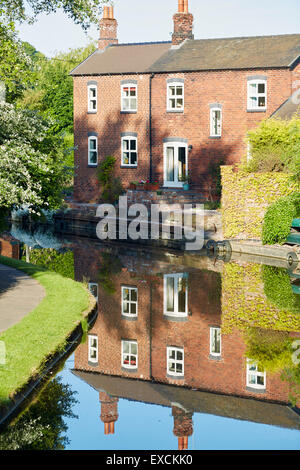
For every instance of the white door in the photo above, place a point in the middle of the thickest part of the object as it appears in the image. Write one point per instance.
(175, 164)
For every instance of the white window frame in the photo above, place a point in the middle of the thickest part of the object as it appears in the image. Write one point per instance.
(130, 109)
(256, 373)
(93, 284)
(93, 348)
(176, 97)
(129, 138)
(176, 278)
(131, 342)
(212, 126)
(91, 100)
(93, 137)
(211, 342)
(175, 145)
(257, 95)
(125, 314)
(177, 361)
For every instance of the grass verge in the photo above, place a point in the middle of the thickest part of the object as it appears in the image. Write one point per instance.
(43, 331)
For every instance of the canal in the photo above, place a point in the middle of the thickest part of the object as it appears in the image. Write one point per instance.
(187, 352)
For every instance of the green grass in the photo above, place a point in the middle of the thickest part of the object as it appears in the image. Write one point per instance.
(42, 332)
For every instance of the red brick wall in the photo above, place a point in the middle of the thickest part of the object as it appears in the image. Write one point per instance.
(228, 88)
(8, 249)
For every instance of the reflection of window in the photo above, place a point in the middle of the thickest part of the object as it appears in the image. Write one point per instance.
(92, 98)
(93, 288)
(175, 295)
(93, 150)
(215, 122)
(129, 301)
(256, 377)
(175, 361)
(129, 354)
(215, 341)
(129, 151)
(257, 94)
(175, 97)
(129, 97)
(93, 348)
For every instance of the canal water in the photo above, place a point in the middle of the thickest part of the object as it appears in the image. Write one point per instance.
(187, 352)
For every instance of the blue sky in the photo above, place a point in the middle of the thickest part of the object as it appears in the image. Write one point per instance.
(142, 20)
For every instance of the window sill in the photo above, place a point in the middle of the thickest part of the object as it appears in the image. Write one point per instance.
(94, 165)
(129, 166)
(215, 137)
(175, 377)
(128, 318)
(215, 358)
(256, 390)
(128, 112)
(93, 364)
(263, 110)
(131, 371)
(173, 318)
(180, 111)
(92, 112)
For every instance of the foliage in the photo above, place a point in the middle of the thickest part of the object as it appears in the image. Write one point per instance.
(41, 427)
(15, 64)
(272, 350)
(110, 266)
(275, 146)
(247, 196)
(278, 219)
(60, 263)
(43, 331)
(244, 302)
(52, 92)
(81, 12)
(278, 289)
(111, 186)
(32, 170)
(292, 376)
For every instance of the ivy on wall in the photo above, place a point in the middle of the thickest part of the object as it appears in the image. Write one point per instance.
(245, 303)
(246, 197)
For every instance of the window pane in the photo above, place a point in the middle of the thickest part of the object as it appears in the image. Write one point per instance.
(179, 368)
(134, 295)
(133, 158)
(126, 104)
(133, 309)
(171, 354)
(126, 294)
(125, 91)
(181, 295)
(172, 366)
(93, 144)
(133, 102)
(132, 91)
(133, 348)
(261, 101)
(179, 90)
(170, 294)
(172, 90)
(133, 144)
(179, 356)
(170, 164)
(126, 307)
(125, 144)
(260, 380)
(93, 157)
(261, 88)
(125, 347)
(179, 103)
(126, 158)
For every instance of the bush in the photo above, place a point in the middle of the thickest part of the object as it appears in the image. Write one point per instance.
(112, 186)
(275, 146)
(278, 219)
(278, 289)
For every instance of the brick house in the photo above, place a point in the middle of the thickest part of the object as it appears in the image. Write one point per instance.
(166, 110)
(157, 339)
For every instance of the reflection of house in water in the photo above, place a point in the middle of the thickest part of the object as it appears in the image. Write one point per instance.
(10, 247)
(158, 340)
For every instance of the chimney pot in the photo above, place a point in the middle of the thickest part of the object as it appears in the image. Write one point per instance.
(180, 6)
(105, 12)
(111, 12)
(186, 6)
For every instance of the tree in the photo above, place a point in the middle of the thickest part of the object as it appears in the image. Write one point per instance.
(81, 12)
(15, 64)
(32, 170)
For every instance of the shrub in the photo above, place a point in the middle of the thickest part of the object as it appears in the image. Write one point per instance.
(278, 219)
(111, 186)
(275, 146)
(278, 289)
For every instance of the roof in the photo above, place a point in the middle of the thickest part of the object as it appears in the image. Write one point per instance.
(122, 58)
(255, 52)
(193, 400)
(288, 109)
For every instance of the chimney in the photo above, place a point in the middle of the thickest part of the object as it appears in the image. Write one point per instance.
(183, 23)
(108, 28)
(109, 412)
(183, 426)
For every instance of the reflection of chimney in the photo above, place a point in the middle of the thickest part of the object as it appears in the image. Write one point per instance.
(109, 412)
(183, 23)
(108, 28)
(183, 426)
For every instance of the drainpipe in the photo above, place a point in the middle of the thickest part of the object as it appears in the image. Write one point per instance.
(150, 126)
